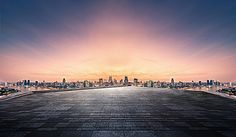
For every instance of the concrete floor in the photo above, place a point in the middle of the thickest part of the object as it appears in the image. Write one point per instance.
(119, 112)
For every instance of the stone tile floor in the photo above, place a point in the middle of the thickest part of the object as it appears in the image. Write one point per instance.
(119, 112)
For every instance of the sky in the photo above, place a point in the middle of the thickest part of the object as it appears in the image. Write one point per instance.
(148, 39)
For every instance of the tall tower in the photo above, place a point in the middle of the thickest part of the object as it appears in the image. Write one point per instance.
(28, 82)
(126, 81)
(24, 82)
(100, 81)
(64, 81)
(110, 79)
(135, 81)
(121, 82)
(172, 82)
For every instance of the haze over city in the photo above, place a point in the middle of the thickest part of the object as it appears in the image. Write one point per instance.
(157, 40)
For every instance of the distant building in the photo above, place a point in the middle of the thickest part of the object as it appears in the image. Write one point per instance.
(24, 82)
(208, 82)
(115, 82)
(172, 82)
(217, 83)
(126, 81)
(80, 84)
(159, 84)
(121, 82)
(36, 83)
(86, 84)
(110, 80)
(200, 83)
(19, 83)
(135, 81)
(155, 84)
(233, 84)
(64, 81)
(211, 82)
(148, 84)
(180, 84)
(100, 81)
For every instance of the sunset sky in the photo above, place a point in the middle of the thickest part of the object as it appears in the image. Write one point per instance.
(148, 39)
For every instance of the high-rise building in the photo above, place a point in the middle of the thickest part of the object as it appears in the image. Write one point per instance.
(149, 83)
(217, 83)
(172, 82)
(86, 84)
(211, 82)
(200, 83)
(126, 81)
(115, 82)
(44, 83)
(110, 80)
(135, 81)
(100, 81)
(121, 82)
(208, 82)
(19, 83)
(24, 82)
(36, 83)
(64, 81)
(232, 84)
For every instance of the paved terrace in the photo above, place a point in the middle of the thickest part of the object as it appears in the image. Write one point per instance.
(119, 112)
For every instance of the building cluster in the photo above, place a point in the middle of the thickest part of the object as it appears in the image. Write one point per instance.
(110, 82)
(228, 90)
(7, 90)
(79, 84)
(173, 84)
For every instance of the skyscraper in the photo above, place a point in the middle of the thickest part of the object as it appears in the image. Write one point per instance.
(36, 83)
(211, 82)
(121, 82)
(149, 83)
(115, 82)
(100, 81)
(28, 83)
(110, 80)
(135, 81)
(24, 82)
(208, 82)
(172, 83)
(64, 81)
(200, 83)
(86, 84)
(126, 81)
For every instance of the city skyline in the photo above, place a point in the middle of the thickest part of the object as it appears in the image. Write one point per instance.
(151, 40)
(111, 79)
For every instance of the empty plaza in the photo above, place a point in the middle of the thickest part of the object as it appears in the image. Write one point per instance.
(119, 112)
